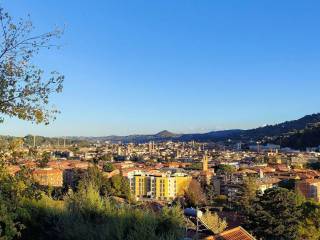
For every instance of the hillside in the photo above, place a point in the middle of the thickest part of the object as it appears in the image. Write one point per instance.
(308, 137)
(282, 128)
(287, 132)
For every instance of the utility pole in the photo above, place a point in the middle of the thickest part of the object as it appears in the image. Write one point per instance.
(34, 141)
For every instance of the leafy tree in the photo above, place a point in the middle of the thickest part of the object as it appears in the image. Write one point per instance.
(15, 144)
(226, 169)
(275, 215)
(117, 186)
(15, 147)
(4, 146)
(24, 91)
(46, 157)
(221, 200)
(195, 195)
(309, 227)
(195, 166)
(288, 184)
(210, 193)
(33, 152)
(214, 222)
(172, 220)
(108, 167)
(247, 193)
(313, 165)
(13, 190)
(94, 176)
(9, 228)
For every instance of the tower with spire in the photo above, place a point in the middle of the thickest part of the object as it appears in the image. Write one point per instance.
(205, 163)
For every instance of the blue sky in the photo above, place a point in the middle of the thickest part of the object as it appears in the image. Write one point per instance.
(181, 65)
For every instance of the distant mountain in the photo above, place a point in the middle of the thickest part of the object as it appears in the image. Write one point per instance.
(290, 133)
(166, 134)
(161, 136)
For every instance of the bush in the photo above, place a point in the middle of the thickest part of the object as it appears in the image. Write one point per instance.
(214, 222)
(87, 215)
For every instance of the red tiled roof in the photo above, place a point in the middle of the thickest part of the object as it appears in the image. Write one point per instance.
(237, 233)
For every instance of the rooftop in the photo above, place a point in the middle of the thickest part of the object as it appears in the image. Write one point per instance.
(237, 233)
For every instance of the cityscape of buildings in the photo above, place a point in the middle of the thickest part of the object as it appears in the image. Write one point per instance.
(163, 171)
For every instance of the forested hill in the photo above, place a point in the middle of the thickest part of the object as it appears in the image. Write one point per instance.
(308, 137)
(283, 128)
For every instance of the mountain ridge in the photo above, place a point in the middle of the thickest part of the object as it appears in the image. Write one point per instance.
(269, 133)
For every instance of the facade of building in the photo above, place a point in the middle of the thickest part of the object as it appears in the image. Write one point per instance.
(158, 186)
(48, 177)
(309, 188)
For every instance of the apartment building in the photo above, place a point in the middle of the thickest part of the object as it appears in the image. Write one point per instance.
(48, 177)
(158, 185)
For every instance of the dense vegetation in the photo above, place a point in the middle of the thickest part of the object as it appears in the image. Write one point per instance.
(278, 213)
(82, 214)
(308, 137)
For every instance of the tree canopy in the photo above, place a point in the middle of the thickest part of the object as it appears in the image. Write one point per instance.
(25, 88)
(275, 215)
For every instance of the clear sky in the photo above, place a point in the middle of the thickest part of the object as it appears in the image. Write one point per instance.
(181, 65)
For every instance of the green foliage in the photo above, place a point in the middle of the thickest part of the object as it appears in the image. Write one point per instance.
(247, 192)
(87, 215)
(195, 166)
(274, 215)
(287, 183)
(15, 148)
(226, 169)
(12, 192)
(210, 193)
(220, 200)
(108, 167)
(117, 186)
(94, 176)
(214, 222)
(24, 90)
(309, 227)
(84, 214)
(9, 227)
(313, 165)
(46, 157)
(308, 137)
